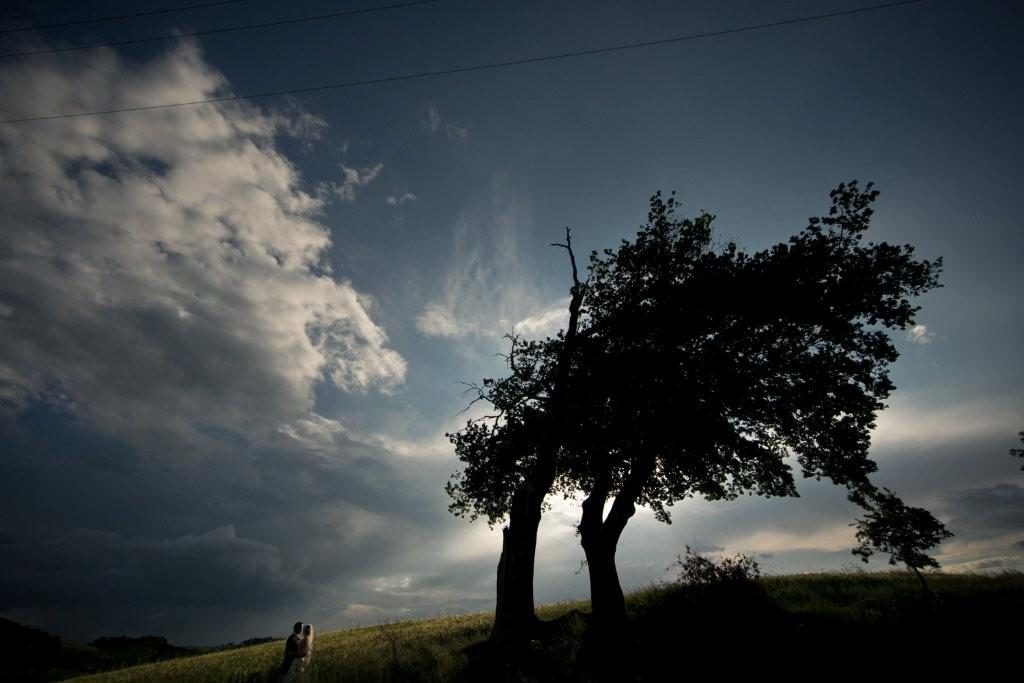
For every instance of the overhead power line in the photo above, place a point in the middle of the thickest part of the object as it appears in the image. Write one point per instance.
(117, 17)
(226, 29)
(477, 67)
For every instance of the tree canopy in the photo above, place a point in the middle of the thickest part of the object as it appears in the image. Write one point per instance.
(901, 531)
(745, 358)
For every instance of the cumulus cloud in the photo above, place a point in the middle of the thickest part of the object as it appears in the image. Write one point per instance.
(167, 316)
(919, 334)
(168, 265)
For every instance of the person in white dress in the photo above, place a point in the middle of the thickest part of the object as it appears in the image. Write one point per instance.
(300, 663)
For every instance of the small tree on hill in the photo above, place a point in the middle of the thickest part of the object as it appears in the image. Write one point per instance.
(904, 532)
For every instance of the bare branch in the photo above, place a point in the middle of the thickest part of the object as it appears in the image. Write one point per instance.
(470, 388)
(511, 357)
(572, 256)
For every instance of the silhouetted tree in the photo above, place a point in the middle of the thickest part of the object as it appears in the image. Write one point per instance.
(904, 532)
(511, 455)
(716, 365)
(690, 369)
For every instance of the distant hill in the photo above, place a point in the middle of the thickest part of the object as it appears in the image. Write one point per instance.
(865, 625)
(25, 651)
(29, 654)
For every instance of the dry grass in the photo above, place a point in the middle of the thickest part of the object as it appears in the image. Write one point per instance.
(436, 649)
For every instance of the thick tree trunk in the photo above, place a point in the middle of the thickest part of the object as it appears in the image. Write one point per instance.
(610, 654)
(600, 541)
(514, 616)
(599, 536)
(607, 600)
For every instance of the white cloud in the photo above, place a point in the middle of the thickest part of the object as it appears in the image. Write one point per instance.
(1003, 552)
(315, 432)
(487, 285)
(454, 131)
(917, 421)
(393, 200)
(303, 125)
(830, 538)
(434, 123)
(165, 292)
(919, 334)
(318, 433)
(546, 323)
(167, 266)
(437, 321)
(353, 179)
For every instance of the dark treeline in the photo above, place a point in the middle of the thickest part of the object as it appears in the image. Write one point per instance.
(30, 654)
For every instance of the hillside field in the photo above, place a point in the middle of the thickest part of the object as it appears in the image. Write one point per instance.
(853, 619)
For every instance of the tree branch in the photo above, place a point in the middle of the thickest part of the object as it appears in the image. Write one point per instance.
(572, 256)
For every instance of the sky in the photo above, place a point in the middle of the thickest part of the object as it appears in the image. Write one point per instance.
(232, 335)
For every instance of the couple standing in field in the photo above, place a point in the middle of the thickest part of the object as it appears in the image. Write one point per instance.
(298, 650)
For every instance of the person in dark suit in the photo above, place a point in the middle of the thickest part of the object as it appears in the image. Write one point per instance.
(291, 648)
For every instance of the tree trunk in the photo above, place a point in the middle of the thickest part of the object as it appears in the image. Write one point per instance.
(924, 584)
(514, 616)
(600, 541)
(599, 536)
(607, 600)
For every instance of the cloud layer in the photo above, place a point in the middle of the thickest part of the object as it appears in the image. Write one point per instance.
(167, 266)
(167, 314)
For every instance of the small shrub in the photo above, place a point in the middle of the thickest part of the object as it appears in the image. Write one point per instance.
(696, 569)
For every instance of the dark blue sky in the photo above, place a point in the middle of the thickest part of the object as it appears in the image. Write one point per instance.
(171, 397)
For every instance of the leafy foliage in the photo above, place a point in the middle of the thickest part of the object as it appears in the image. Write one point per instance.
(497, 449)
(696, 569)
(720, 364)
(904, 532)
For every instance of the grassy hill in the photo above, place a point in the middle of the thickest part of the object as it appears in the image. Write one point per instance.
(840, 620)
